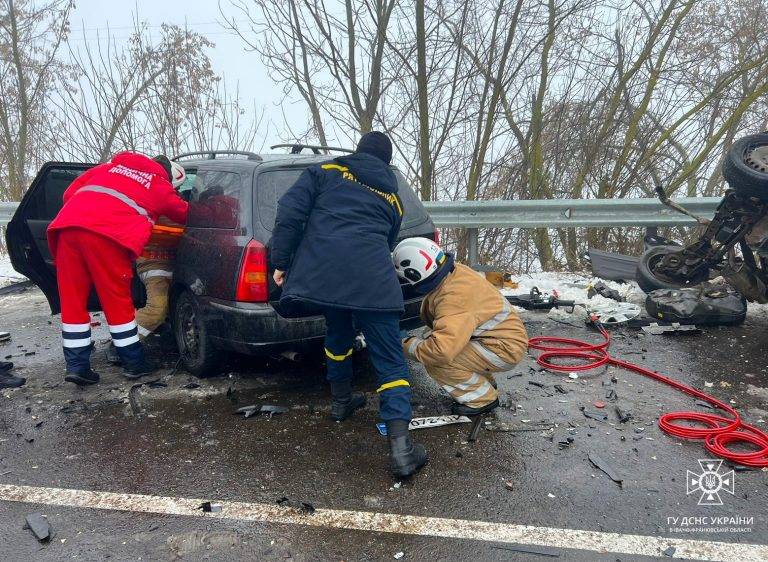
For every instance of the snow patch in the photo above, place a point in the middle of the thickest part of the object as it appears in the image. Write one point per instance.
(7, 274)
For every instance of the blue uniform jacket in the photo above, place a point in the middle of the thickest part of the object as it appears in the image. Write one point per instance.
(334, 234)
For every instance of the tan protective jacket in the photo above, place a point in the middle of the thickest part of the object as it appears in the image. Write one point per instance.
(465, 309)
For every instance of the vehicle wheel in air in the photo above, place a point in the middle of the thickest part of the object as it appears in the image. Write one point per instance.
(198, 353)
(745, 167)
(647, 278)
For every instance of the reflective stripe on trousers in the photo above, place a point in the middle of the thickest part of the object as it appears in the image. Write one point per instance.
(458, 394)
(490, 356)
(117, 195)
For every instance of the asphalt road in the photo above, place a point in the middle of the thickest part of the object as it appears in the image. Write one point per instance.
(173, 441)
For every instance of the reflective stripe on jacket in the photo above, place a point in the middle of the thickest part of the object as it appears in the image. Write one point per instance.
(465, 309)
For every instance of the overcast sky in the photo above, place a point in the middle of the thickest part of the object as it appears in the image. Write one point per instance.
(230, 60)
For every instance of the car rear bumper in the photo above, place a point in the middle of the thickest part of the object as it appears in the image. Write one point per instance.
(257, 328)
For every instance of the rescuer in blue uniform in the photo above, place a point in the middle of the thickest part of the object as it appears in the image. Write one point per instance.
(331, 250)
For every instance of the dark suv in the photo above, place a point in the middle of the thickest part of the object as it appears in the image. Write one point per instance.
(223, 297)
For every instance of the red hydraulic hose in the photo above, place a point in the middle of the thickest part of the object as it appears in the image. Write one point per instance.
(717, 432)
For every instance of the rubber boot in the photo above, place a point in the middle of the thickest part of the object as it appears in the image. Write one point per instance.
(463, 410)
(344, 402)
(112, 356)
(7, 380)
(82, 379)
(406, 457)
(136, 363)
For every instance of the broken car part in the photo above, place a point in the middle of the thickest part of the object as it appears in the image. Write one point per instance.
(706, 305)
(670, 329)
(623, 416)
(38, 524)
(603, 465)
(536, 300)
(604, 290)
(427, 423)
(304, 507)
(209, 507)
(269, 409)
(614, 312)
(612, 266)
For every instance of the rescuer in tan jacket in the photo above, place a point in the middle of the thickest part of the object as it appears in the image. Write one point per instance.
(473, 332)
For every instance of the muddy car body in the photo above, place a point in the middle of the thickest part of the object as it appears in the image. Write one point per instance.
(222, 298)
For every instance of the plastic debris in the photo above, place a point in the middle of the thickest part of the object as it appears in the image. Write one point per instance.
(399, 555)
(269, 409)
(304, 507)
(573, 376)
(670, 551)
(5, 336)
(623, 416)
(599, 416)
(540, 550)
(559, 388)
(38, 524)
(673, 329)
(209, 507)
(603, 465)
(598, 404)
(611, 396)
(604, 290)
(427, 423)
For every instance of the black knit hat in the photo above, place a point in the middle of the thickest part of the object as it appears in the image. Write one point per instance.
(163, 160)
(376, 144)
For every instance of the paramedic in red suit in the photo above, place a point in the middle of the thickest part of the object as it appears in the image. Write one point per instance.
(102, 228)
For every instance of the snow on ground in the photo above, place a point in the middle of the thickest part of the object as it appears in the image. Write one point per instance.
(7, 273)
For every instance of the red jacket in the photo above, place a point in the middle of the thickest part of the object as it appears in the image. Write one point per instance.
(121, 200)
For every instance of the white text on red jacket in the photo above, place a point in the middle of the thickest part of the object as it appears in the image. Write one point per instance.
(144, 178)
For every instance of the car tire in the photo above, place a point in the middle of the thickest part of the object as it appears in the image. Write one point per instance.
(645, 276)
(745, 167)
(198, 353)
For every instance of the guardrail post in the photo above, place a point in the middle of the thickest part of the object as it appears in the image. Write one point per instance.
(472, 246)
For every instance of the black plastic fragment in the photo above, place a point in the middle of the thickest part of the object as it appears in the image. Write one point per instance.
(269, 409)
(304, 507)
(599, 416)
(559, 388)
(670, 551)
(623, 416)
(39, 526)
(600, 463)
(539, 384)
(540, 550)
(209, 507)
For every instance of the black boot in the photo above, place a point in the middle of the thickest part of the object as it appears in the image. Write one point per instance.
(406, 457)
(344, 402)
(136, 371)
(112, 356)
(463, 410)
(7, 380)
(82, 379)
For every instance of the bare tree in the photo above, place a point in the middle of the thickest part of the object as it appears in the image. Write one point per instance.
(31, 35)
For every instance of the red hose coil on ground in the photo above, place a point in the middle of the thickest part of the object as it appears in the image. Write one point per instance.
(717, 432)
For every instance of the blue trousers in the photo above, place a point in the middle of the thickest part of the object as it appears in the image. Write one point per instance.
(382, 336)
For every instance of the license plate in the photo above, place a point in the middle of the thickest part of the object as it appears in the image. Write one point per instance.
(427, 423)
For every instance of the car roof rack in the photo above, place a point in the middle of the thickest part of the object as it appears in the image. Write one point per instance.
(212, 154)
(315, 148)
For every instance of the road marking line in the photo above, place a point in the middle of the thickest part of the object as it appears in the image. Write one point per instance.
(636, 545)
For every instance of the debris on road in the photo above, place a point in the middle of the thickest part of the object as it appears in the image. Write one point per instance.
(599, 416)
(427, 423)
(540, 550)
(399, 555)
(38, 524)
(209, 507)
(600, 288)
(559, 388)
(5, 336)
(611, 396)
(670, 551)
(623, 416)
(603, 465)
(303, 507)
(563, 440)
(269, 409)
(672, 329)
(598, 404)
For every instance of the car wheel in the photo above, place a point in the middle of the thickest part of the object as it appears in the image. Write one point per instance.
(745, 167)
(198, 353)
(647, 278)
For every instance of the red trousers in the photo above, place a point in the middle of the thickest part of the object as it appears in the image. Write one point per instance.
(85, 260)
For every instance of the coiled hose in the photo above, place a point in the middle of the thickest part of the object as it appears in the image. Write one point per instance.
(717, 432)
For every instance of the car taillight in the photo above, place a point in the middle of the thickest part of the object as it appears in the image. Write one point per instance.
(436, 237)
(252, 284)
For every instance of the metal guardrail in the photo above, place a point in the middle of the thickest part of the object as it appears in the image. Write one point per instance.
(6, 211)
(567, 213)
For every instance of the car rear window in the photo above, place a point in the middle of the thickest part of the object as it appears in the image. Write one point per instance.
(273, 184)
(215, 200)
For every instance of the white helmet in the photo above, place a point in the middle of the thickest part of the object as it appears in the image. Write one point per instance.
(416, 259)
(178, 175)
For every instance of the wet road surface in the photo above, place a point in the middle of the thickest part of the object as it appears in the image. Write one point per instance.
(175, 439)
